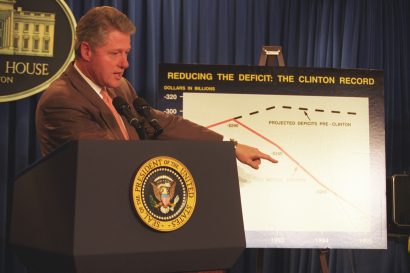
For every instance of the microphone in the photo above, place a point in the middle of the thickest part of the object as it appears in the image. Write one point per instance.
(124, 109)
(143, 108)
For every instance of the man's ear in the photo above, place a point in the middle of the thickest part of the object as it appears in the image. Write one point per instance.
(85, 50)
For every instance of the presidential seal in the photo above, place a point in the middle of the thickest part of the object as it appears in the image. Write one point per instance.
(164, 193)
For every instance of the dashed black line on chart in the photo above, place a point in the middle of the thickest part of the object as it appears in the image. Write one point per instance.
(301, 108)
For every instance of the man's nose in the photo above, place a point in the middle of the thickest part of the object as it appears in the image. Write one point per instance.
(124, 61)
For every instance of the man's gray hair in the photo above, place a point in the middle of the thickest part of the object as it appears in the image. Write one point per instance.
(95, 25)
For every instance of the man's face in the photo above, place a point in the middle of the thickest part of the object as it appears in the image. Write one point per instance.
(107, 63)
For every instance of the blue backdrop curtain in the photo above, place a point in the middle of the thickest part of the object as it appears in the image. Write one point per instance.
(372, 34)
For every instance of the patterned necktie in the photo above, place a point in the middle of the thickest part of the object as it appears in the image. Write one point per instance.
(108, 101)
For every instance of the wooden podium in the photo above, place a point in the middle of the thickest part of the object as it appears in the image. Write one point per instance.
(72, 211)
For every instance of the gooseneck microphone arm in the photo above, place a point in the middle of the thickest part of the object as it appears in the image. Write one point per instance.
(124, 109)
(143, 108)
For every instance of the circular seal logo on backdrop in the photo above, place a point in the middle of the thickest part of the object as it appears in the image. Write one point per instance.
(36, 45)
(164, 193)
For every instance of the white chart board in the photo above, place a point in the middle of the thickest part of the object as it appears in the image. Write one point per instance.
(321, 176)
(328, 188)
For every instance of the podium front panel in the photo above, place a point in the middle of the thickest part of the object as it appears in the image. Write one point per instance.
(104, 232)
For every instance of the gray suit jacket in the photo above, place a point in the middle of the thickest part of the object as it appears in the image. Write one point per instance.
(70, 110)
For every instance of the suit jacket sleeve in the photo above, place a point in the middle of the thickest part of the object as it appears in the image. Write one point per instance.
(176, 127)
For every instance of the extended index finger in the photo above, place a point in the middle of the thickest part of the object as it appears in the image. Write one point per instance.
(268, 157)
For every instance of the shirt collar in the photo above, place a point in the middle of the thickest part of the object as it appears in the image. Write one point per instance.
(94, 86)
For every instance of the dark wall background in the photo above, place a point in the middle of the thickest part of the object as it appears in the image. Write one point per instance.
(369, 34)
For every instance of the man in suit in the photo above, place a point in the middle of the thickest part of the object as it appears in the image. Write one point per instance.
(73, 107)
(78, 104)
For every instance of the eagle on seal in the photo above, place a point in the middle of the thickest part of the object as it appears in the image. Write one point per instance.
(164, 191)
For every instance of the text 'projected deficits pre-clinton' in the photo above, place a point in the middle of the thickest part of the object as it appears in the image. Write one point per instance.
(322, 144)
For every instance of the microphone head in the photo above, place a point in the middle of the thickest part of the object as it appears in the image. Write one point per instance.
(141, 105)
(120, 104)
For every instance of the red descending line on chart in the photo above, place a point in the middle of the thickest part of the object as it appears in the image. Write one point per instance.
(288, 155)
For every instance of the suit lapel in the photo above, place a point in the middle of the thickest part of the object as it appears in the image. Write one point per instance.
(83, 88)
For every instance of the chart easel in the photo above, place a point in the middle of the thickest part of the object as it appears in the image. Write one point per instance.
(267, 57)
(273, 56)
(268, 54)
